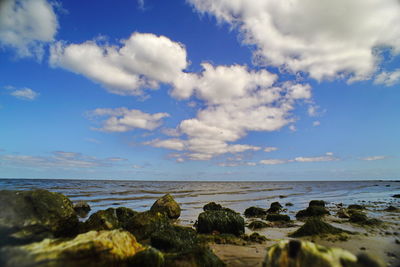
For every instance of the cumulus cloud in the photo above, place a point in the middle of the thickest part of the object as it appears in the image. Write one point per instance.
(327, 39)
(270, 149)
(142, 61)
(27, 25)
(24, 94)
(327, 157)
(123, 119)
(388, 78)
(372, 158)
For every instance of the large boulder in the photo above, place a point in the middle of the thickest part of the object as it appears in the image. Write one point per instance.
(220, 221)
(27, 216)
(167, 205)
(312, 211)
(319, 203)
(95, 248)
(144, 224)
(273, 217)
(212, 206)
(174, 239)
(275, 207)
(108, 219)
(255, 212)
(315, 226)
(303, 253)
(149, 257)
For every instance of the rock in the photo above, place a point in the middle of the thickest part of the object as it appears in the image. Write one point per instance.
(289, 204)
(168, 205)
(257, 225)
(361, 218)
(108, 219)
(95, 248)
(342, 213)
(82, 208)
(143, 224)
(221, 221)
(255, 237)
(315, 226)
(255, 212)
(355, 207)
(124, 215)
(289, 253)
(174, 239)
(396, 196)
(275, 207)
(149, 257)
(391, 208)
(277, 217)
(312, 211)
(29, 216)
(198, 257)
(319, 203)
(212, 206)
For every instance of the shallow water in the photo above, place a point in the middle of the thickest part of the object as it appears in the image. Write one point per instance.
(192, 196)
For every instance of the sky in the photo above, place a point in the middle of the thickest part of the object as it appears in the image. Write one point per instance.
(200, 89)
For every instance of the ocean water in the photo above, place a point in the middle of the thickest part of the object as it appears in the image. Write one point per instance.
(192, 196)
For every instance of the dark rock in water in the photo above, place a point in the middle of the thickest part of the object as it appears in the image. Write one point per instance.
(221, 221)
(391, 208)
(396, 196)
(200, 256)
(282, 196)
(355, 207)
(255, 212)
(319, 203)
(361, 218)
(212, 206)
(144, 224)
(108, 219)
(28, 216)
(303, 253)
(342, 213)
(82, 208)
(255, 237)
(95, 248)
(257, 225)
(277, 217)
(168, 205)
(175, 239)
(315, 226)
(149, 257)
(289, 204)
(312, 211)
(275, 207)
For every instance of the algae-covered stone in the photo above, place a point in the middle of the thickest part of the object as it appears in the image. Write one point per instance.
(255, 238)
(149, 257)
(391, 208)
(108, 219)
(95, 248)
(257, 225)
(356, 207)
(302, 253)
(312, 211)
(200, 256)
(82, 208)
(343, 213)
(361, 218)
(315, 226)
(143, 224)
(255, 212)
(124, 215)
(27, 216)
(275, 207)
(319, 203)
(168, 205)
(212, 206)
(277, 217)
(175, 239)
(221, 221)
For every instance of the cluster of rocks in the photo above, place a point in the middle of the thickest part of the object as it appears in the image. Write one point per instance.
(272, 215)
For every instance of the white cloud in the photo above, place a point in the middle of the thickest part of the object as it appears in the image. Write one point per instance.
(327, 157)
(142, 61)
(388, 78)
(26, 25)
(316, 123)
(327, 39)
(270, 149)
(123, 119)
(292, 128)
(25, 94)
(372, 158)
(273, 161)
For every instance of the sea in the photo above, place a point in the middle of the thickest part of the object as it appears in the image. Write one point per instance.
(192, 196)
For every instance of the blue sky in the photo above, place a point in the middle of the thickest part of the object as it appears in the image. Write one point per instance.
(200, 89)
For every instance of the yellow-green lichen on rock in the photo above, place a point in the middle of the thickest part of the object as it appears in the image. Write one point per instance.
(168, 205)
(94, 248)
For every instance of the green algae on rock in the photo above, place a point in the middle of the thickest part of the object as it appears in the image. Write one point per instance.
(319, 203)
(275, 207)
(149, 257)
(108, 219)
(212, 206)
(94, 248)
(290, 253)
(277, 217)
(175, 239)
(315, 226)
(82, 208)
(221, 221)
(200, 256)
(361, 218)
(143, 224)
(168, 205)
(27, 216)
(355, 207)
(257, 225)
(312, 211)
(255, 238)
(255, 212)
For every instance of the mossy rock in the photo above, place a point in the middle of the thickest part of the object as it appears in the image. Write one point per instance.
(212, 206)
(108, 219)
(362, 219)
(355, 207)
(304, 253)
(124, 215)
(175, 239)
(315, 226)
(289, 204)
(94, 248)
(312, 211)
(221, 239)
(221, 221)
(318, 203)
(82, 209)
(277, 217)
(391, 209)
(167, 205)
(149, 257)
(275, 207)
(28, 216)
(343, 213)
(255, 212)
(257, 225)
(255, 238)
(144, 224)
(200, 256)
